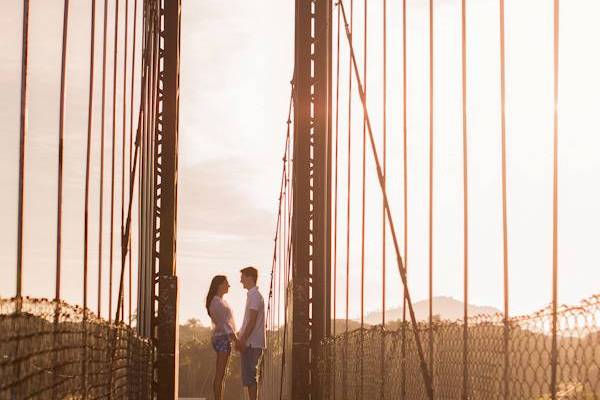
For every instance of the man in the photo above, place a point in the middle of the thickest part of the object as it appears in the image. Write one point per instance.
(252, 336)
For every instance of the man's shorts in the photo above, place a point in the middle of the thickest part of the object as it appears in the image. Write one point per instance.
(250, 358)
(221, 343)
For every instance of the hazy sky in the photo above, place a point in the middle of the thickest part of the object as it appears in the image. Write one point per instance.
(236, 65)
(235, 70)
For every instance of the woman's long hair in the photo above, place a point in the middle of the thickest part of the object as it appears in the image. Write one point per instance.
(212, 292)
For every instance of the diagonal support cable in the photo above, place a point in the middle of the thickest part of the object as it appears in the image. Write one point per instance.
(126, 231)
(381, 179)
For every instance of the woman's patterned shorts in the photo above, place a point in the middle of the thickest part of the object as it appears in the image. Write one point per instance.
(221, 343)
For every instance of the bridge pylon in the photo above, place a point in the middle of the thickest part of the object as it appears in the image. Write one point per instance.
(311, 221)
(158, 286)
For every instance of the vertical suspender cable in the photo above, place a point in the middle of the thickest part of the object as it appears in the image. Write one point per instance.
(405, 192)
(112, 191)
(283, 276)
(59, 198)
(383, 220)
(88, 156)
(276, 261)
(505, 376)
(22, 137)
(465, 394)
(148, 214)
(335, 208)
(286, 272)
(112, 183)
(142, 280)
(152, 140)
(61, 134)
(364, 187)
(87, 196)
(133, 47)
(282, 272)
(145, 178)
(431, 155)
(141, 305)
(101, 191)
(277, 299)
(554, 360)
(348, 205)
(123, 142)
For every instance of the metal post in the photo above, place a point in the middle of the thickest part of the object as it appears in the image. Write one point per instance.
(165, 198)
(311, 202)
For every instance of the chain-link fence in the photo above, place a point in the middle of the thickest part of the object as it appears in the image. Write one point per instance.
(510, 360)
(51, 350)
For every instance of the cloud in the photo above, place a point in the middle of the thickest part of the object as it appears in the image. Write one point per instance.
(214, 199)
(220, 228)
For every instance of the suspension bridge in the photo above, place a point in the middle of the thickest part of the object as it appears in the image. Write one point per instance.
(336, 155)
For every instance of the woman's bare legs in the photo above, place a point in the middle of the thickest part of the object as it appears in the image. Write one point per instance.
(221, 367)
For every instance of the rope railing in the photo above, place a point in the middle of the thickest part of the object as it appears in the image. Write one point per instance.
(527, 376)
(79, 356)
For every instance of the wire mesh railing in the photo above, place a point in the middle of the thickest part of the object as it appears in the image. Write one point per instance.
(507, 360)
(50, 349)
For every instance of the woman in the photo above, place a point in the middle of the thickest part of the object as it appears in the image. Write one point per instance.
(223, 329)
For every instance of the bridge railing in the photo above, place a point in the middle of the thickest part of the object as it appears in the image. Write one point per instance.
(526, 345)
(50, 349)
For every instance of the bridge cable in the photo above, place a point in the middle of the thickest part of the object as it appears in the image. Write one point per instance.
(431, 188)
(289, 238)
(336, 191)
(465, 394)
(405, 193)
(276, 248)
(123, 142)
(423, 364)
(112, 337)
(281, 266)
(348, 203)
(101, 189)
(61, 134)
(113, 145)
(504, 204)
(133, 48)
(554, 359)
(127, 230)
(22, 139)
(363, 206)
(59, 194)
(87, 192)
(140, 141)
(383, 221)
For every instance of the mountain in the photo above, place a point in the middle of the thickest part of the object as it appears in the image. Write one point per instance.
(446, 307)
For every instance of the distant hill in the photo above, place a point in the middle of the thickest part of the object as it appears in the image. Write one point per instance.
(446, 307)
(340, 325)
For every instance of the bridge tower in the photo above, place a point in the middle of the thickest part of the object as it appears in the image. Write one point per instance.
(311, 227)
(158, 287)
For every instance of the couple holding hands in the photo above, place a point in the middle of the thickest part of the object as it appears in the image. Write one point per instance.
(250, 341)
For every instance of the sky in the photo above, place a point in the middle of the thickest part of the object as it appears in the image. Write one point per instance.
(236, 64)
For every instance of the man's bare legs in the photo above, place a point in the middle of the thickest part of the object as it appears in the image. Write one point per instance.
(221, 368)
(252, 392)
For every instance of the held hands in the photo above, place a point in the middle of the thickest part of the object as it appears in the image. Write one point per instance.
(239, 343)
